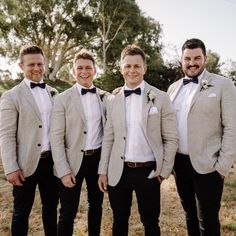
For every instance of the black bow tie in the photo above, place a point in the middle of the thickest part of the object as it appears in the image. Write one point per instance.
(129, 92)
(40, 85)
(84, 91)
(194, 80)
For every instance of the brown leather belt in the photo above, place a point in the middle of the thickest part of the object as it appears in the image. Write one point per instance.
(140, 164)
(46, 154)
(91, 152)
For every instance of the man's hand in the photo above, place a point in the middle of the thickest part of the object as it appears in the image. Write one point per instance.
(102, 183)
(116, 90)
(160, 179)
(16, 178)
(68, 180)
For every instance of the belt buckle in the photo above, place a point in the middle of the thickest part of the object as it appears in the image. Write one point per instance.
(89, 152)
(132, 164)
(45, 154)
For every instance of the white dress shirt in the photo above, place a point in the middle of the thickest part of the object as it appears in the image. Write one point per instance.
(182, 104)
(137, 148)
(93, 116)
(44, 103)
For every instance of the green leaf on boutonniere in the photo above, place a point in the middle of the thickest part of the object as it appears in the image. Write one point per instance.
(205, 85)
(151, 96)
(102, 94)
(53, 92)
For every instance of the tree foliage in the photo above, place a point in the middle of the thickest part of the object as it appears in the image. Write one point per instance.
(60, 27)
(213, 62)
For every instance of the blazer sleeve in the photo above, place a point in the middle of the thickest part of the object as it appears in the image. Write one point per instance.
(227, 154)
(169, 136)
(108, 140)
(8, 130)
(57, 138)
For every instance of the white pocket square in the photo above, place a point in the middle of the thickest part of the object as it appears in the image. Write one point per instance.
(153, 110)
(211, 95)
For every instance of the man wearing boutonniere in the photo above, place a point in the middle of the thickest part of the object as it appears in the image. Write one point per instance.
(139, 145)
(25, 113)
(206, 114)
(76, 135)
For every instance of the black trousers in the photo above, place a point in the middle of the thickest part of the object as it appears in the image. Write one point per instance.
(200, 196)
(24, 199)
(148, 197)
(70, 197)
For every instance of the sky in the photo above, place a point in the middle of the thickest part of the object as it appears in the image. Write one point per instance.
(212, 21)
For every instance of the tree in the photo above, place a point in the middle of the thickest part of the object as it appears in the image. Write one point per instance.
(146, 33)
(113, 18)
(58, 26)
(213, 62)
(62, 27)
(230, 70)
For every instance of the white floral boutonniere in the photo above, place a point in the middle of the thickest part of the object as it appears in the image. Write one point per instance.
(53, 92)
(151, 96)
(205, 85)
(233, 79)
(102, 93)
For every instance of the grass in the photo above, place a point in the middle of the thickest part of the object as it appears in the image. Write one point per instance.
(172, 220)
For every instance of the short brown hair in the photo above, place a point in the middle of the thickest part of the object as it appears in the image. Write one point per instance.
(132, 50)
(84, 54)
(29, 49)
(194, 43)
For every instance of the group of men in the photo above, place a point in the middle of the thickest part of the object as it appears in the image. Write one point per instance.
(120, 143)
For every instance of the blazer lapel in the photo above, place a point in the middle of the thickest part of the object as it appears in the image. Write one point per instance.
(146, 105)
(49, 93)
(76, 99)
(179, 85)
(101, 105)
(25, 90)
(206, 77)
(120, 107)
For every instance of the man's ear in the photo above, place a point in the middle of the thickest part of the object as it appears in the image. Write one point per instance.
(145, 68)
(73, 71)
(20, 64)
(120, 66)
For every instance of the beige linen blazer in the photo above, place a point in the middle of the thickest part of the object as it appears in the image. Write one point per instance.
(68, 130)
(211, 124)
(20, 130)
(160, 129)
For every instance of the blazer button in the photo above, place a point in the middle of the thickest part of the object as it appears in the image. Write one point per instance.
(82, 150)
(40, 126)
(124, 138)
(85, 132)
(39, 145)
(121, 158)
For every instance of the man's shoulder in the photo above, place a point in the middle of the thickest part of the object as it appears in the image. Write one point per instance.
(219, 80)
(14, 90)
(67, 92)
(154, 90)
(103, 94)
(176, 83)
